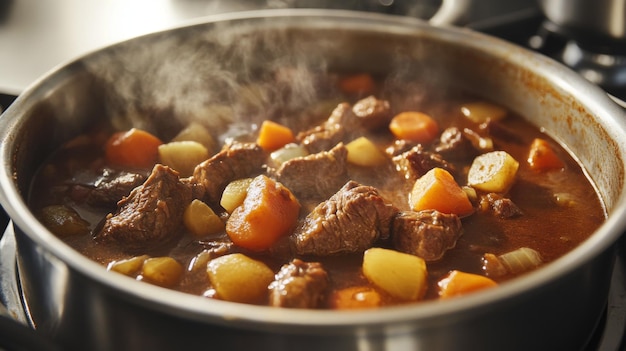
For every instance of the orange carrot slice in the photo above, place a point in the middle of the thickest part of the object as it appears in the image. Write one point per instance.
(414, 126)
(133, 148)
(273, 136)
(437, 190)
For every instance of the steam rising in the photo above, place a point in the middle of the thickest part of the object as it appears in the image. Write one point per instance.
(233, 74)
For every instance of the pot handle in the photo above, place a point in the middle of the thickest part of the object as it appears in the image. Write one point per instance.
(452, 12)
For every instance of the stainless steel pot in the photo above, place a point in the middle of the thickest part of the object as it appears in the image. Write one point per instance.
(180, 72)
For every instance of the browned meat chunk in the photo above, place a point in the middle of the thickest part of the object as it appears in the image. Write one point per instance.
(427, 234)
(299, 284)
(352, 220)
(151, 216)
(372, 112)
(316, 176)
(235, 161)
(416, 162)
(112, 186)
(399, 146)
(500, 206)
(454, 144)
(331, 132)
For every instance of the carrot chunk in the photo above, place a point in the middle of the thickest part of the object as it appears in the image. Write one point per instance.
(542, 156)
(273, 136)
(269, 211)
(414, 126)
(458, 283)
(362, 83)
(437, 190)
(133, 148)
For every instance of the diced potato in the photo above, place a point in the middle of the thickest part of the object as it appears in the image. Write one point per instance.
(183, 156)
(63, 221)
(399, 274)
(481, 111)
(287, 153)
(129, 266)
(198, 133)
(238, 278)
(162, 271)
(363, 152)
(234, 194)
(493, 172)
(200, 219)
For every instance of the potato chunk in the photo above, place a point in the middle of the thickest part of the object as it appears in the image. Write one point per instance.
(363, 152)
(238, 278)
(234, 194)
(197, 132)
(129, 266)
(162, 271)
(482, 111)
(493, 172)
(402, 275)
(183, 156)
(200, 219)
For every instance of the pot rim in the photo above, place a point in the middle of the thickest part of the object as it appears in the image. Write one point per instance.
(203, 309)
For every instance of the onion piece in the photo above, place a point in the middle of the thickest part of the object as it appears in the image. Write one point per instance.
(517, 261)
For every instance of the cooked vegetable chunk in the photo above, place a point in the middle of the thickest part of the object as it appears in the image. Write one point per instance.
(542, 156)
(437, 190)
(268, 212)
(273, 136)
(414, 126)
(129, 266)
(183, 156)
(162, 271)
(238, 278)
(234, 194)
(458, 283)
(133, 148)
(363, 152)
(200, 219)
(63, 221)
(481, 111)
(401, 275)
(493, 172)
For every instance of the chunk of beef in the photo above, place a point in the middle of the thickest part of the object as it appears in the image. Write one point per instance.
(372, 112)
(335, 129)
(351, 220)
(315, 176)
(454, 144)
(427, 234)
(299, 284)
(416, 162)
(500, 206)
(151, 216)
(498, 130)
(399, 147)
(112, 186)
(235, 161)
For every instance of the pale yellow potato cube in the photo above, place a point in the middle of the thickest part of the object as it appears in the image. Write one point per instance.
(402, 275)
(363, 152)
(198, 133)
(482, 111)
(162, 271)
(200, 220)
(183, 156)
(238, 278)
(493, 172)
(129, 266)
(234, 194)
